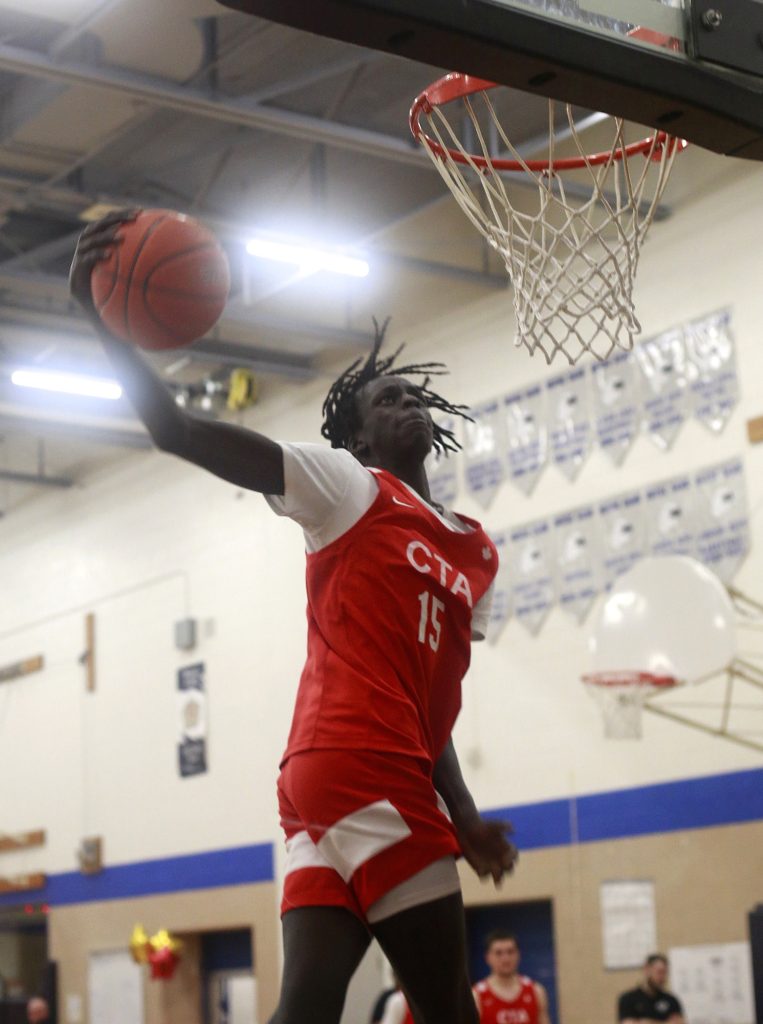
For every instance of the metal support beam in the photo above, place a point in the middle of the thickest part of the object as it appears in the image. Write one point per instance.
(35, 479)
(161, 93)
(61, 428)
(264, 360)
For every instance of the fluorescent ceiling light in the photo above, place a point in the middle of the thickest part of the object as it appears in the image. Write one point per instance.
(306, 257)
(67, 383)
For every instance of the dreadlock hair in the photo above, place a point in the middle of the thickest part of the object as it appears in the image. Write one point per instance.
(340, 411)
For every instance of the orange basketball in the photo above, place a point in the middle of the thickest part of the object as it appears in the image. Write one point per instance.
(165, 284)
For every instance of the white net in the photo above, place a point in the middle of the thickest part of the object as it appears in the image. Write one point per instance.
(572, 261)
(621, 697)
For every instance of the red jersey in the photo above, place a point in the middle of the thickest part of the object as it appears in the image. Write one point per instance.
(389, 628)
(521, 1010)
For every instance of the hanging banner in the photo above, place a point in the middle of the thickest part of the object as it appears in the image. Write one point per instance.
(500, 609)
(617, 405)
(723, 525)
(526, 437)
(670, 517)
(623, 534)
(664, 371)
(714, 384)
(532, 579)
(192, 720)
(442, 470)
(575, 535)
(484, 452)
(569, 422)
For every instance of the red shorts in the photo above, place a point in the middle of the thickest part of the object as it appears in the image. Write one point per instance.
(357, 824)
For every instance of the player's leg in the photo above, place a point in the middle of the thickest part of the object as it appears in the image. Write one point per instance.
(322, 948)
(426, 946)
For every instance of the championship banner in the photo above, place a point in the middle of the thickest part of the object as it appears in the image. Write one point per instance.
(484, 448)
(192, 720)
(527, 437)
(569, 422)
(670, 517)
(500, 608)
(442, 471)
(623, 533)
(714, 384)
(532, 578)
(663, 366)
(723, 525)
(575, 534)
(617, 405)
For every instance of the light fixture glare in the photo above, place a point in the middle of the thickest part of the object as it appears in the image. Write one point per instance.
(307, 258)
(67, 383)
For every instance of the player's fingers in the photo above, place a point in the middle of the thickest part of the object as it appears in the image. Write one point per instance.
(116, 217)
(104, 236)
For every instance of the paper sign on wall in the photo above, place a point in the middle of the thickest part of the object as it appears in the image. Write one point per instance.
(532, 578)
(527, 437)
(192, 720)
(442, 471)
(569, 421)
(575, 534)
(500, 608)
(628, 923)
(723, 526)
(484, 452)
(616, 400)
(663, 366)
(714, 385)
(714, 982)
(670, 517)
(623, 533)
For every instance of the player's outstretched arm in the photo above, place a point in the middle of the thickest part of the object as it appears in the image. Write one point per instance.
(483, 842)
(240, 456)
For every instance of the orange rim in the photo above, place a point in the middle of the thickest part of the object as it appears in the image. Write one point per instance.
(455, 86)
(626, 678)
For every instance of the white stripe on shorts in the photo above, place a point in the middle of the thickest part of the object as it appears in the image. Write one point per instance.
(359, 836)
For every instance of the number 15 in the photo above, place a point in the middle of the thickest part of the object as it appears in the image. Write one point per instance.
(429, 621)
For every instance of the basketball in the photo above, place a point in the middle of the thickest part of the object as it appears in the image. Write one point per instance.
(165, 284)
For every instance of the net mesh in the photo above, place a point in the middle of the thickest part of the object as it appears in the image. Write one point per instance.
(572, 261)
(621, 697)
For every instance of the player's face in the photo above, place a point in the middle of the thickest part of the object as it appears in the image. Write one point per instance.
(394, 422)
(657, 974)
(503, 958)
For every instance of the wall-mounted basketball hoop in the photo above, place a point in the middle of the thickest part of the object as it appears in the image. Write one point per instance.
(665, 641)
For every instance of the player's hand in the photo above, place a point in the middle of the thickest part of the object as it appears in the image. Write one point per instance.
(485, 846)
(95, 243)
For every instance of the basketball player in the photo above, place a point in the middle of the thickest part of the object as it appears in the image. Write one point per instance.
(371, 796)
(506, 996)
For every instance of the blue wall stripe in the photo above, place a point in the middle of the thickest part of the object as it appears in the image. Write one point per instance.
(703, 802)
(212, 869)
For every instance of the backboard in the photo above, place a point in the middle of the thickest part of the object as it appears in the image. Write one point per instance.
(692, 67)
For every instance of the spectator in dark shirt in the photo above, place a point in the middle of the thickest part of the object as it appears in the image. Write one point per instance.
(650, 1000)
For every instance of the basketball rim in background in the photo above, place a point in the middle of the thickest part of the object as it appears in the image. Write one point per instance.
(690, 69)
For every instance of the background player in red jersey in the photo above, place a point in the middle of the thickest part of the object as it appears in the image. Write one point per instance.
(371, 796)
(506, 996)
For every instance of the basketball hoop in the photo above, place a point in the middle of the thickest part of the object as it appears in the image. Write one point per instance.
(572, 263)
(621, 697)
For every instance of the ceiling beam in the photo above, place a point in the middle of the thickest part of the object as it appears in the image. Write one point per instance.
(35, 479)
(234, 231)
(159, 92)
(96, 433)
(266, 360)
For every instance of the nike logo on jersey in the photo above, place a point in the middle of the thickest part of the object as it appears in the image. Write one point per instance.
(404, 504)
(487, 554)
